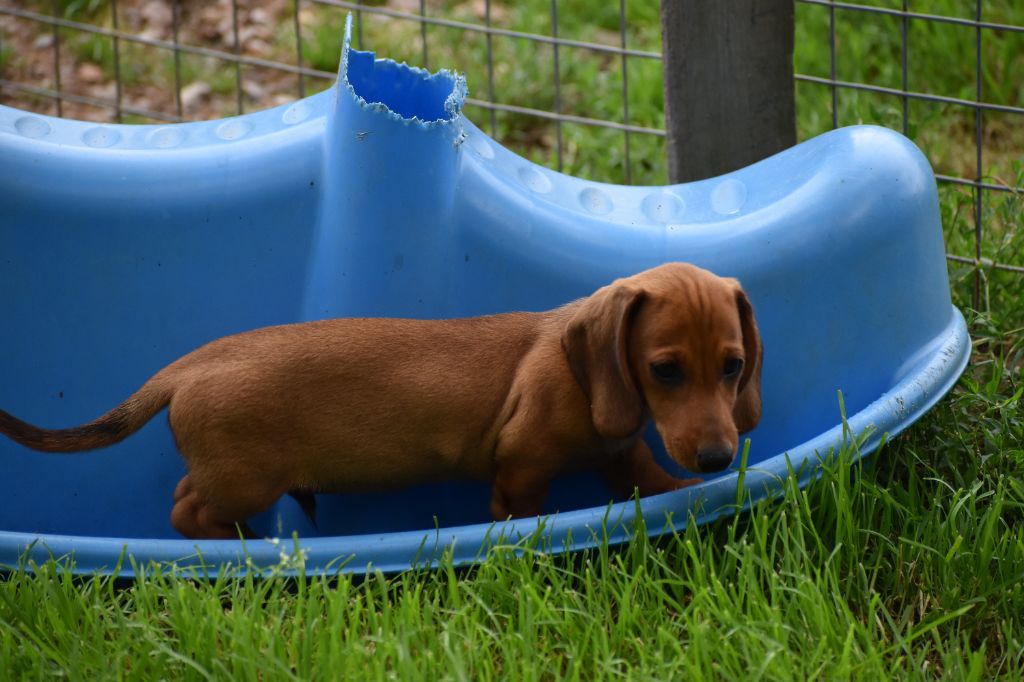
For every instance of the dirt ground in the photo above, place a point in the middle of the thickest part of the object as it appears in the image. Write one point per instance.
(150, 76)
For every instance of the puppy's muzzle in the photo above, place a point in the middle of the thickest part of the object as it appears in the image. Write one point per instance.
(714, 458)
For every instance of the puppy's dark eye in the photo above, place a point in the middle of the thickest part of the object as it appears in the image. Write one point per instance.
(732, 367)
(667, 372)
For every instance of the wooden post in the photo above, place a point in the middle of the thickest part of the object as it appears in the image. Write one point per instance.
(728, 83)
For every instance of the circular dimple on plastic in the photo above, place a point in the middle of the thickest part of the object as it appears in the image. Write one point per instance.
(296, 113)
(728, 197)
(165, 138)
(232, 130)
(596, 201)
(534, 179)
(101, 137)
(662, 207)
(32, 126)
(481, 146)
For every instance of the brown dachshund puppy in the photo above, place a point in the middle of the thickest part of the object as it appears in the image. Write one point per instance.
(514, 399)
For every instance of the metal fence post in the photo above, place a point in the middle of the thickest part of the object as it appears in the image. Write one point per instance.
(728, 83)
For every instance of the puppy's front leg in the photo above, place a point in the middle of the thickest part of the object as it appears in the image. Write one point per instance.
(518, 492)
(636, 469)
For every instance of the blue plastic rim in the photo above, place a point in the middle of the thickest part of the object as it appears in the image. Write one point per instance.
(124, 247)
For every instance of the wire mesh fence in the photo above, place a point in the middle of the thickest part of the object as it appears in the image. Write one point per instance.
(948, 75)
(573, 84)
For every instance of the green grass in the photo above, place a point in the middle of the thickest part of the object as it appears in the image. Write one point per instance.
(910, 566)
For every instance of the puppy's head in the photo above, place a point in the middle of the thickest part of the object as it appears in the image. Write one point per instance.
(677, 344)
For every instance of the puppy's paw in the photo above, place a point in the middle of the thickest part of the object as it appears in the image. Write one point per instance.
(681, 483)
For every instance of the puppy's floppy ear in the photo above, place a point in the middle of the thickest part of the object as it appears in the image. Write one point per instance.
(747, 411)
(596, 343)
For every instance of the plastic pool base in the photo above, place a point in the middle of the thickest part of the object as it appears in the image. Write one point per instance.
(124, 247)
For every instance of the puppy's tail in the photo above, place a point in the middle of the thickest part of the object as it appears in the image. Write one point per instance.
(114, 426)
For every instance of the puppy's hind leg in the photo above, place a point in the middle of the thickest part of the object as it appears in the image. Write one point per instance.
(200, 515)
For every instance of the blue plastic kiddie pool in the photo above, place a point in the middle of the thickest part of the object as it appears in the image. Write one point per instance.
(124, 247)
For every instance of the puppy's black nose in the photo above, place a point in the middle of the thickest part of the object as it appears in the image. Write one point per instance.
(714, 458)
